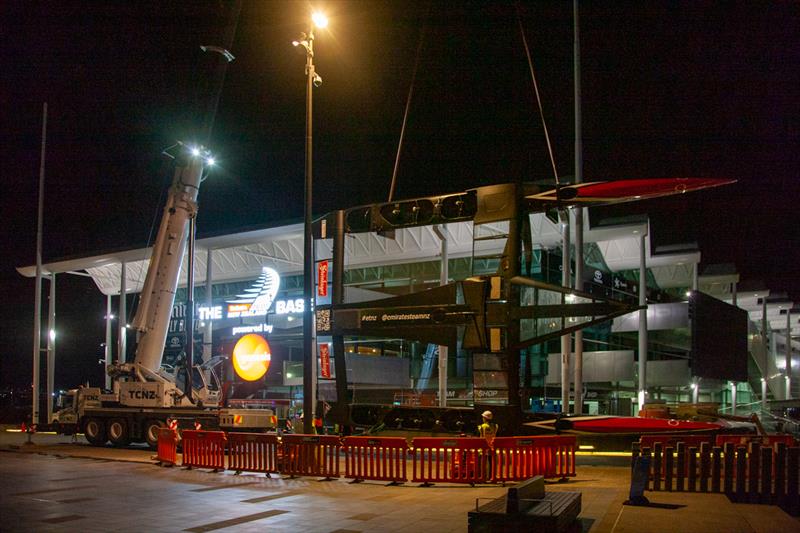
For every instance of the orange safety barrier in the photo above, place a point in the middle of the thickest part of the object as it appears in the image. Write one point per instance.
(380, 458)
(444, 460)
(519, 458)
(763, 440)
(204, 449)
(167, 447)
(253, 452)
(311, 455)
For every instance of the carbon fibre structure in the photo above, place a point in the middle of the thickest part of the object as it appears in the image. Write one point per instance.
(493, 316)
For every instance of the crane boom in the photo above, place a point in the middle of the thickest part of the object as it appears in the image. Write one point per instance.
(158, 293)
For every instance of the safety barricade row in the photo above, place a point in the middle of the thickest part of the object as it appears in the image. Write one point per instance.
(204, 449)
(520, 458)
(375, 458)
(167, 453)
(311, 455)
(253, 452)
(434, 459)
(443, 460)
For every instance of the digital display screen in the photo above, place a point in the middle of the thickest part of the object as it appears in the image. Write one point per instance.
(719, 338)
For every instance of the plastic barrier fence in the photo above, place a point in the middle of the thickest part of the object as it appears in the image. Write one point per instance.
(310, 455)
(167, 447)
(444, 460)
(379, 458)
(253, 452)
(204, 449)
(519, 458)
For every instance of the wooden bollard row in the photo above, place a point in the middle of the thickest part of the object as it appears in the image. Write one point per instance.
(753, 474)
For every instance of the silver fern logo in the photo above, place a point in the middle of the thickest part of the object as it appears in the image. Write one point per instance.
(258, 299)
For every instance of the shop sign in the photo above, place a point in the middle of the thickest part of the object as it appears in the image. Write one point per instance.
(325, 360)
(322, 278)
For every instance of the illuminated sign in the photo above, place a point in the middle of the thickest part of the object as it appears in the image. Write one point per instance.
(256, 301)
(251, 357)
(325, 360)
(258, 328)
(322, 277)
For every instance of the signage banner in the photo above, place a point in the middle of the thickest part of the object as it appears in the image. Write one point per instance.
(325, 360)
(322, 278)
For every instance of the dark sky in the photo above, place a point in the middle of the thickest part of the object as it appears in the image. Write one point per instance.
(669, 89)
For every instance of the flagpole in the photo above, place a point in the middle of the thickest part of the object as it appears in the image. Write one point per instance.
(37, 306)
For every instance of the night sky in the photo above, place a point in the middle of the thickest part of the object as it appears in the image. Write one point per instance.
(670, 89)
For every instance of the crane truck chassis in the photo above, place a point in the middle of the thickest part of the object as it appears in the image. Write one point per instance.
(146, 395)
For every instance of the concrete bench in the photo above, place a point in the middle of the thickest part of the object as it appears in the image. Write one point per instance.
(525, 507)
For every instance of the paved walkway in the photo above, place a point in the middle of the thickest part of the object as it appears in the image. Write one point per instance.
(58, 486)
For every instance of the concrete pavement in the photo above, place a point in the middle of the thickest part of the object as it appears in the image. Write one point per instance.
(55, 485)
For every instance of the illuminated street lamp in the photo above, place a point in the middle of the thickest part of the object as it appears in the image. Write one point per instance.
(313, 80)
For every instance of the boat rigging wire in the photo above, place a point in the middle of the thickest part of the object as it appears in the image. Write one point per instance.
(536, 91)
(408, 104)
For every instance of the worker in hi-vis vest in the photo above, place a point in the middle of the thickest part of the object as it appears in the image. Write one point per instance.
(488, 430)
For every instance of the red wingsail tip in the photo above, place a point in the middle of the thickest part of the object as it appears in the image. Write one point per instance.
(640, 189)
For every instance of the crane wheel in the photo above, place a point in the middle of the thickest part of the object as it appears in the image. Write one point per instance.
(119, 432)
(95, 431)
(151, 431)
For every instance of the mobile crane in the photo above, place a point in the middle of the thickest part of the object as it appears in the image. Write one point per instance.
(145, 395)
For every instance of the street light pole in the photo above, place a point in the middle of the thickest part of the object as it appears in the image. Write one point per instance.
(312, 79)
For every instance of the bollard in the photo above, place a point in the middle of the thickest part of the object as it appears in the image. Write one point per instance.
(780, 474)
(692, 469)
(766, 476)
(729, 468)
(792, 479)
(646, 453)
(668, 467)
(741, 473)
(716, 468)
(752, 483)
(639, 475)
(679, 476)
(704, 466)
(657, 458)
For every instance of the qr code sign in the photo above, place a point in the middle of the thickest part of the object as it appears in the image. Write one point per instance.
(323, 320)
